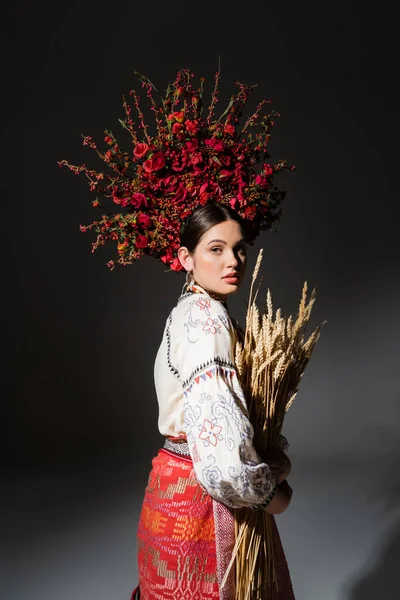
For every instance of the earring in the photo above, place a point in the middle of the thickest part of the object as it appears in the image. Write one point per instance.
(189, 278)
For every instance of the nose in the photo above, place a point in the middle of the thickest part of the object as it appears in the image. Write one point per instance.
(233, 261)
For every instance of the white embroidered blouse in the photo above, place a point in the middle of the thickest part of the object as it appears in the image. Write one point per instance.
(199, 395)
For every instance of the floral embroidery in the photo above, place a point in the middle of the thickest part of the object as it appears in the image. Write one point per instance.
(211, 326)
(210, 433)
(204, 304)
(215, 410)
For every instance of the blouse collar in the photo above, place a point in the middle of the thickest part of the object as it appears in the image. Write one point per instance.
(195, 288)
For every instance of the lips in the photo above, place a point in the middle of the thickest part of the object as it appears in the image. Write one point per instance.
(232, 279)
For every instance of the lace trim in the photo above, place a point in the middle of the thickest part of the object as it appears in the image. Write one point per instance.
(181, 448)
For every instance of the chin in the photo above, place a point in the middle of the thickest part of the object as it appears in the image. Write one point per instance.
(228, 288)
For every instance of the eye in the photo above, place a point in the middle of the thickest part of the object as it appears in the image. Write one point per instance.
(215, 248)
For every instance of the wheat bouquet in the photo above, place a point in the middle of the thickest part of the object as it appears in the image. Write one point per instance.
(270, 361)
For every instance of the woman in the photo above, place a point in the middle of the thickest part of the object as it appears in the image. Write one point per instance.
(208, 466)
(192, 195)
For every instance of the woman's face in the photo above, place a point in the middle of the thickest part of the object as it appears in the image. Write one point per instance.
(220, 252)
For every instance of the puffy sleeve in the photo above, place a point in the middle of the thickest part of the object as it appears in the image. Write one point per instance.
(218, 430)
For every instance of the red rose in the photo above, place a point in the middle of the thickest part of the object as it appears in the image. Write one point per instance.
(250, 212)
(141, 241)
(155, 163)
(196, 158)
(180, 194)
(167, 257)
(233, 203)
(144, 221)
(192, 145)
(217, 145)
(140, 150)
(203, 198)
(261, 181)
(177, 128)
(138, 200)
(192, 126)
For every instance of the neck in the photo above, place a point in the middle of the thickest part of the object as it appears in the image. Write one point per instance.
(214, 295)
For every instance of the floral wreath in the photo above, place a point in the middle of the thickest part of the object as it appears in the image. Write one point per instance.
(192, 160)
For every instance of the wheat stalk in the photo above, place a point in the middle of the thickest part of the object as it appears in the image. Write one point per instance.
(270, 363)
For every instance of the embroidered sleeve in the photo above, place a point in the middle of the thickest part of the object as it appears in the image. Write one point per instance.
(218, 430)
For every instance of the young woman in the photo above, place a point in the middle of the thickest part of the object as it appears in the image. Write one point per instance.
(192, 195)
(208, 466)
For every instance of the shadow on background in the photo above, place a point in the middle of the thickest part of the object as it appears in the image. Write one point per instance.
(381, 577)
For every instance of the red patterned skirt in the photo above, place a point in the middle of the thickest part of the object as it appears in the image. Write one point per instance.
(185, 537)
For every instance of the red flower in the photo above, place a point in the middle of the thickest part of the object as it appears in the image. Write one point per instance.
(141, 241)
(176, 265)
(217, 145)
(155, 163)
(140, 150)
(188, 162)
(192, 126)
(250, 212)
(203, 198)
(192, 145)
(167, 257)
(177, 166)
(122, 247)
(196, 158)
(144, 221)
(138, 200)
(177, 116)
(177, 128)
(229, 129)
(180, 194)
(261, 181)
(226, 160)
(268, 170)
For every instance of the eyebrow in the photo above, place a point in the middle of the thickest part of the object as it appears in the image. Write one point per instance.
(223, 242)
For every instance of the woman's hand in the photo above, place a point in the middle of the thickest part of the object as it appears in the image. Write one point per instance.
(279, 463)
(281, 500)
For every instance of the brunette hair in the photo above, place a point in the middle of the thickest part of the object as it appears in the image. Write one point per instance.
(205, 217)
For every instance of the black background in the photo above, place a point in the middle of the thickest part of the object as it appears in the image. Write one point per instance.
(79, 341)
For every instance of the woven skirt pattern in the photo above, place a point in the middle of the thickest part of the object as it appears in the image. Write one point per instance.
(176, 535)
(185, 538)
